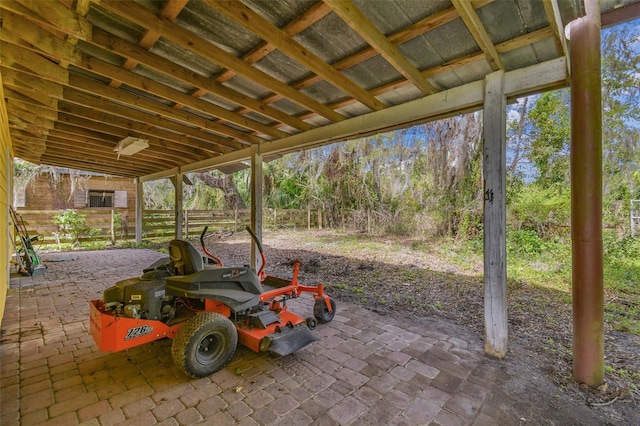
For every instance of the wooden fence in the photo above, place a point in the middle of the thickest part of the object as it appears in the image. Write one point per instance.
(161, 223)
(105, 224)
(119, 224)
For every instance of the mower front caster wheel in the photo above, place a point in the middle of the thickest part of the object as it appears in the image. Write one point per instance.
(311, 323)
(204, 344)
(321, 312)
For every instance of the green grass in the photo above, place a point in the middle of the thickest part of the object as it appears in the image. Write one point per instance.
(545, 266)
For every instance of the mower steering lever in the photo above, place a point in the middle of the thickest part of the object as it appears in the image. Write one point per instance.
(216, 259)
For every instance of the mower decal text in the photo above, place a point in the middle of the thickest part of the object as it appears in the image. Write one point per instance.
(235, 273)
(141, 330)
(136, 297)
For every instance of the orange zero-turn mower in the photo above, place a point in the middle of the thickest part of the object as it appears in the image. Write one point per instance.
(207, 309)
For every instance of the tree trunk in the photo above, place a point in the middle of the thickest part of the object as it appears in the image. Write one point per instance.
(232, 199)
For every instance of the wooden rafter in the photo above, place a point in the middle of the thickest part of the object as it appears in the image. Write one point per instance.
(423, 26)
(156, 89)
(143, 129)
(210, 141)
(552, 11)
(460, 62)
(246, 17)
(139, 15)
(53, 74)
(479, 33)
(365, 28)
(127, 50)
(308, 18)
(73, 90)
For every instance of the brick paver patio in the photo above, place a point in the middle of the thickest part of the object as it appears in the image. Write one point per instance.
(366, 369)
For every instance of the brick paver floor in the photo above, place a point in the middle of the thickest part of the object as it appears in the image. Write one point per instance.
(367, 369)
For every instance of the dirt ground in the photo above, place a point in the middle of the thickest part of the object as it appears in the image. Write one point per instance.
(386, 275)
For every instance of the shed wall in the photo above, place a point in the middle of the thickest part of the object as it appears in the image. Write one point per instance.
(5, 197)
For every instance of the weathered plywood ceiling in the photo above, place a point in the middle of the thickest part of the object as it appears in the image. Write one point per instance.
(205, 80)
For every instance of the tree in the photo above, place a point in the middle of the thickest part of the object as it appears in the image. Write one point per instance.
(550, 136)
(232, 198)
(621, 118)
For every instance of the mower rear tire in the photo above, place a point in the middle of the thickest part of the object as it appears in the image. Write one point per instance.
(204, 344)
(321, 312)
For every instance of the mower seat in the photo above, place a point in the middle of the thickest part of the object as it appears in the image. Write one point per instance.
(184, 257)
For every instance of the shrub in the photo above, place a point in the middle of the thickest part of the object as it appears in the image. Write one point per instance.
(525, 241)
(73, 224)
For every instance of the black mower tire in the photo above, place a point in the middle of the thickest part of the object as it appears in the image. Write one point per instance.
(204, 344)
(321, 312)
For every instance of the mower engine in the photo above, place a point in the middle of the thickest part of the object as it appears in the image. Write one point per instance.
(143, 297)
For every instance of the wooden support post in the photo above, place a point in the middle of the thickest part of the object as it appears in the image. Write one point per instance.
(495, 219)
(113, 226)
(178, 211)
(319, 218)
(308, 218)
(256, 201)
(139, 204)
(186, 224)
(235, 220)
(586, 198)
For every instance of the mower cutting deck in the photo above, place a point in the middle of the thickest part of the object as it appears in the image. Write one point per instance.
(207, 310)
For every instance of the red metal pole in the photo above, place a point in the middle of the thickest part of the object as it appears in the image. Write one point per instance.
(586, 198)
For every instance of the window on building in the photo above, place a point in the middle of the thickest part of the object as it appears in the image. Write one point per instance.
(101, 198)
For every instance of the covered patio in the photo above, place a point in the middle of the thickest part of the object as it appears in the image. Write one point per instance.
(366, 369)
(154, 90)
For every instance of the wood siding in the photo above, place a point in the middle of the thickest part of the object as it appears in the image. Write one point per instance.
(6, 180)
(46, 193)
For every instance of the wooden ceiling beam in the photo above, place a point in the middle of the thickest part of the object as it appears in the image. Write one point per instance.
(170, 10)
(120, 47)
(139, 15)
(109, 142)
(158, 144)
(50, 89)
(67, 52)
(36, 145)
(14, 55)
(129, 78)
(506, 46)
(349, 13)
(51, 71)
(151, 106)
(32, 107)
(84, 105)
(478, 32)
(61, 148)
(199, 138)
(620, 15)
(246, 17)
(50, 14)
(304, 21)
(39, 39)
(16, 113)
(552, 10)
(60, 142)
(141, 129)
(76, 137)
(425, 25)
(21, 87)
(108, 168)
(145, 84)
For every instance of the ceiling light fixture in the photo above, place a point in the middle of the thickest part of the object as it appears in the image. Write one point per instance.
(130, 145)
